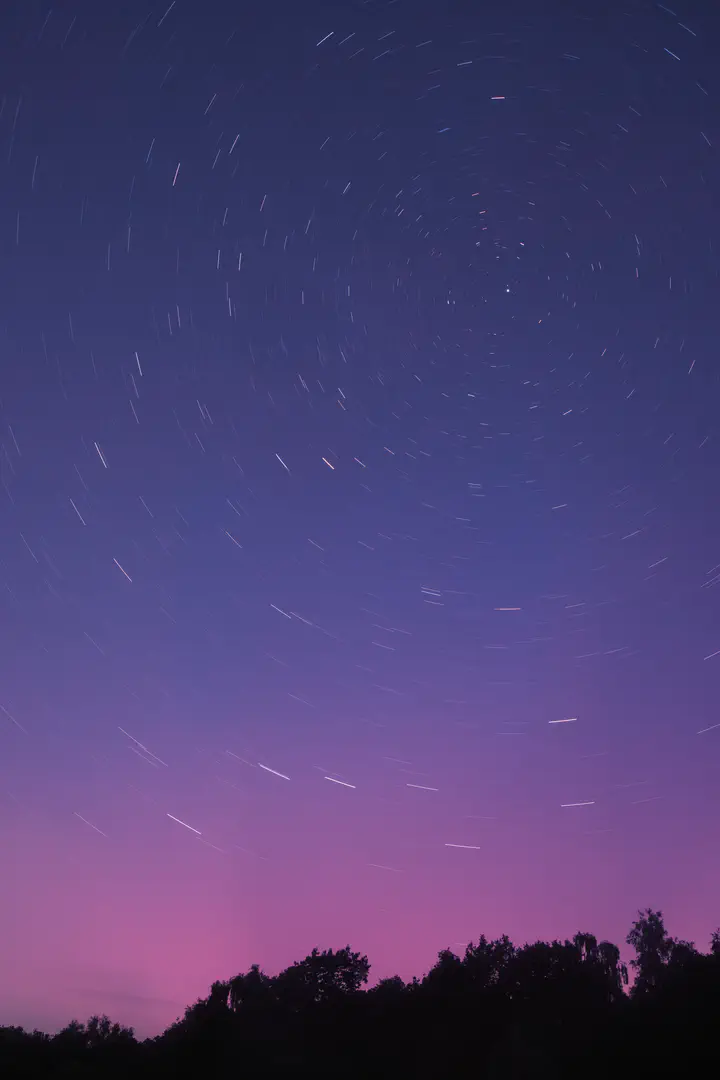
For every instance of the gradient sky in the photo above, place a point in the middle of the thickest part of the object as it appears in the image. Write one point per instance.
(359, 422)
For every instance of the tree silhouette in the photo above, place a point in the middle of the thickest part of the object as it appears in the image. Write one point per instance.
(653, 948)
(486, 961)
(101, 1032)
(321, 976)
(614, 971)
(389, 990)
(253, 990)
(500, 1012)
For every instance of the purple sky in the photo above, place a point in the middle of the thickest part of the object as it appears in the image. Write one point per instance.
(358, 424)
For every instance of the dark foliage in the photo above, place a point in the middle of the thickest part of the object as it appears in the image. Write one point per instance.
(557, 1009)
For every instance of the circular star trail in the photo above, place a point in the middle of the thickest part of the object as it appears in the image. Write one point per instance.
(358, 542)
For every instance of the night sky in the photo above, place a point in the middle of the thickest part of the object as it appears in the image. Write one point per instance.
(359, 448)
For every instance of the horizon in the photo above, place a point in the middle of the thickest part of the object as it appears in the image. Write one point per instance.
(626, 953)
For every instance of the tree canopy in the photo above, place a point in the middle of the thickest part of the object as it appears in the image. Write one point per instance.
(543, 1009)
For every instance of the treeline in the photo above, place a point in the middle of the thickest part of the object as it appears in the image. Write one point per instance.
(557, 1009)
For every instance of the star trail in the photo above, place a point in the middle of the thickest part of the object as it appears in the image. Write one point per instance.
(358, 455)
